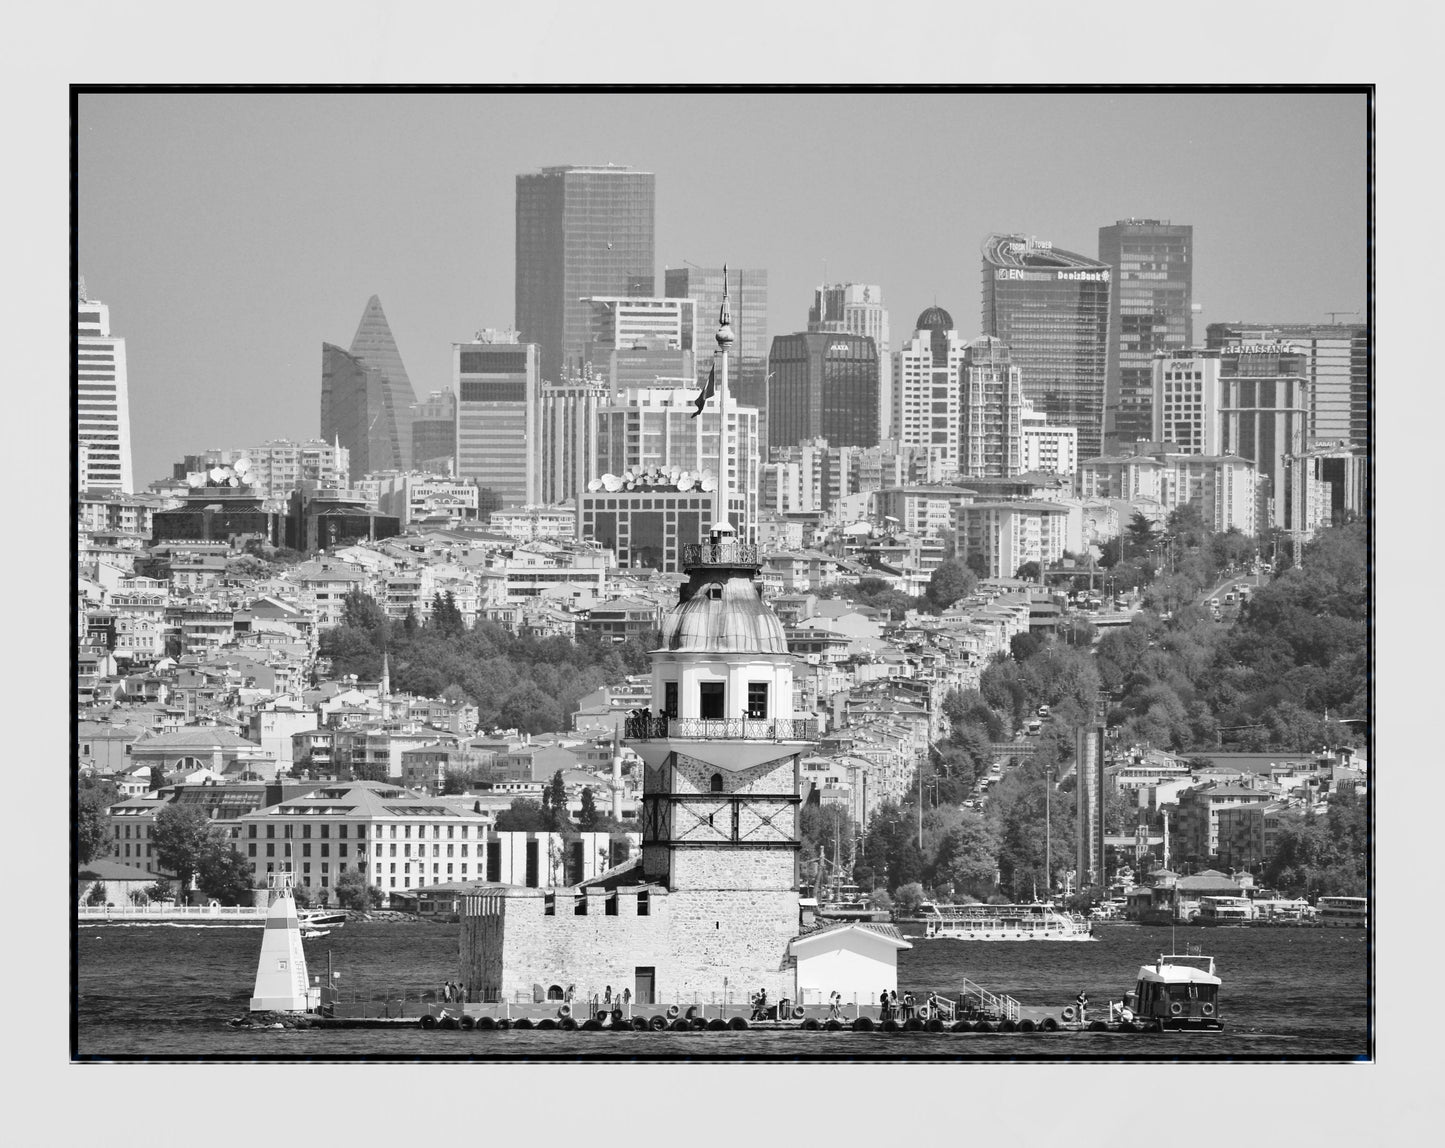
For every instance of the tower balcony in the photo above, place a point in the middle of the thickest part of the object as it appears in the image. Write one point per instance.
(660, 727)
(720, 554)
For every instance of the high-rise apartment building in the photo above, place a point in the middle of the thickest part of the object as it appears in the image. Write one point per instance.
(102, 400)
(496, 381)
(748, 302)
(567, 423)
(1187, 409)
(278, 466)
(1337, 365)
(858, 309)
(434, 433)
(823, 385)
(1051, 307)
(1150, 309)
(582, 233)
(992, 431)
(927, 394)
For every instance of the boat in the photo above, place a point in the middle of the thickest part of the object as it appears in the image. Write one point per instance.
(1179, 992)
(1343, 912)
(309, 934)
(1035, 921)
(1224, 911)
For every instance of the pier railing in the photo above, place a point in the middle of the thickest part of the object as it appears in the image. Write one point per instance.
(643, 728)
(163, 911)
(978, 999)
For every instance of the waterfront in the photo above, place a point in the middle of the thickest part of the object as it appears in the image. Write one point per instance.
(1289, 995)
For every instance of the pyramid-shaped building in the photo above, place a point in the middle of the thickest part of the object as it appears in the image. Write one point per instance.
(366, 396)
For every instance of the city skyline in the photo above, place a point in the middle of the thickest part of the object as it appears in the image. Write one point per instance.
(217, 217)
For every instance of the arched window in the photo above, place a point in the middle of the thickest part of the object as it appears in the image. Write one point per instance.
(717, 783)
(554, 992)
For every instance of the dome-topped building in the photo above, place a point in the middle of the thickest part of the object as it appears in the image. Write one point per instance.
(934, 318)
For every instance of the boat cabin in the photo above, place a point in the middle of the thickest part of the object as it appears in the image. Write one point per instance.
(1179, 991)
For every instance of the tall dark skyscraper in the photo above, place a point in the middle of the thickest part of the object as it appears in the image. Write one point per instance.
(1051, 307)
(582, 232)
(366, 397)
(823, 384)
(1150, 310)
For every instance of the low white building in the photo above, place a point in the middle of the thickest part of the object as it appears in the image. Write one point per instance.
(858, 959)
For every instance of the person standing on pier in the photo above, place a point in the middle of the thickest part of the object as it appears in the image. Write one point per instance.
(1082, 1002)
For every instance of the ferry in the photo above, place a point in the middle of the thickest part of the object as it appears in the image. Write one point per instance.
(1224, 911)
(1179, 992)
(1343, 912)
(1032, 922)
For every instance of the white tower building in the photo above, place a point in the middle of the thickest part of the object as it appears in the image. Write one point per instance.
(102, 400)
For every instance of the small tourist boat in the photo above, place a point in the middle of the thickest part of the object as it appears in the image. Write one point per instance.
(308, 934)
(1178, 992)
(1343, 912)
(1036, 921)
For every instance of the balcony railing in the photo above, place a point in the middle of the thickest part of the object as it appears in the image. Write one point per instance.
(733, 729)
(721, 554)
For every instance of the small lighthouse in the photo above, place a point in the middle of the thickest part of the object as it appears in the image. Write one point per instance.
(281, 980)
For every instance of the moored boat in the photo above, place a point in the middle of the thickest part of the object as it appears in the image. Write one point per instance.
(1036, 921)
(1179, 992)
(1343, 912)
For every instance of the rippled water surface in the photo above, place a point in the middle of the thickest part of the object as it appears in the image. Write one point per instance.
(1288, 994)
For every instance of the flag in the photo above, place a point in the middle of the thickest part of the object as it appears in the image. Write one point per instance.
(707, 391)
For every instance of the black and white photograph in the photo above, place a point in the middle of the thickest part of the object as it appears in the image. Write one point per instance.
(573, 574)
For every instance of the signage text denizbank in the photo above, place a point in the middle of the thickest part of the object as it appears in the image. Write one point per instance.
(1052, 276)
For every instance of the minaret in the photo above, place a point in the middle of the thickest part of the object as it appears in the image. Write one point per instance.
(281, 981)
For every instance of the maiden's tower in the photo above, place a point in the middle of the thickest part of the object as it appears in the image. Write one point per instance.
(712, 899)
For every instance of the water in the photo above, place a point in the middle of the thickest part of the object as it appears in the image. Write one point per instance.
(1288, 995)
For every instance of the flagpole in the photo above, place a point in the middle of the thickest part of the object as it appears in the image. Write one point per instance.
(724, 338)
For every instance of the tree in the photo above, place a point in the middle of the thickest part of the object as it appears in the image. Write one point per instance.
(950, 582)
(352, 891)
(180, 837)
(223, 873)
(977, 563)
(94, 796)
(1141, 533)
(557, 799)
(524, 816)
(1024, 646)
(158, 776)
(907, 899)
(456, 781)
(1029, 572)
(587, 816)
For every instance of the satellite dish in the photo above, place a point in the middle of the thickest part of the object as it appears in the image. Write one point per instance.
(685, 480)
(708, 483)
(215, 474)
(194, 481)
(674, 474)
(628, 476)
(243, 466)
(611, 482)
(233, 481)
(595, 484)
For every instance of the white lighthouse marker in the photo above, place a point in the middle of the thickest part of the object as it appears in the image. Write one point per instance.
(281, 981)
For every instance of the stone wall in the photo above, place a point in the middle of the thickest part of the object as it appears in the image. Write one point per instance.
(693, 940)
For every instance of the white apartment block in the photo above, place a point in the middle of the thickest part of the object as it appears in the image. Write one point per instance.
(928, 396)
(1050, 449)
(1187, 402)
(102, 401)
(1008, 534)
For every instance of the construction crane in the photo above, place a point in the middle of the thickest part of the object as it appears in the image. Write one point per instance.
(1332, 314)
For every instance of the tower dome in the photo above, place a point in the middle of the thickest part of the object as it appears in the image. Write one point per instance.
(720, 610)
(934, 319)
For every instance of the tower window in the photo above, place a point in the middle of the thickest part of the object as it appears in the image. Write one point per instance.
(717, 783)
(644, 904)
(710, 701)
(758, 700)
(669, 699)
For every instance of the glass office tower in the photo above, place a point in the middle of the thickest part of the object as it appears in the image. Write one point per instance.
(1051, 307)
(823, 385)
(748, 302)
(497, 385)
(1150, 310)
(582, 232)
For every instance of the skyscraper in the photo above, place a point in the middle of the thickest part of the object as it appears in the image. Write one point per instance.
(1187, 408)
(567, 423)
(1150, 309)
(992, 429)
(496, 381)
(858, 309)
(927, 395)
(823, 385)
(581, 232)
(1337, 364)
(102, 400)
(367, 398)
(1264, 407)
(373, 344)
(1051, 307)
(633, 341)
(434, 433)
(748, 301)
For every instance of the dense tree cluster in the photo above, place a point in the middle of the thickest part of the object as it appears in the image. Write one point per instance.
(531, 684)
(189, 846)
(1323, 853)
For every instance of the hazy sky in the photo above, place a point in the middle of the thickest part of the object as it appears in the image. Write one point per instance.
(232, 234)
